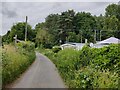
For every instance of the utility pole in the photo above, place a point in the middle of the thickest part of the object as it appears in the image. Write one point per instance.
(100, 35)
(26, 29)
(95, 36)
(81, 35)
(101, 31)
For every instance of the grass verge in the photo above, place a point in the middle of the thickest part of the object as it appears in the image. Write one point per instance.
(15, 62)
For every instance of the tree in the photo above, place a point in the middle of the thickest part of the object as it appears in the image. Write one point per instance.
(111, 10)
(43, 38)
(66, 24)
(66, 20)
(6, 37)
(85, 25)
(118, 15)
(72, 37)
(110, 27)
(99, 21)
(112, 21)
(39, 26)
(51, 21)
(99, 25)
(19, 30)
(51, 24)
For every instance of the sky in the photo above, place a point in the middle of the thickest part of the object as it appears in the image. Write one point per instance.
(14, 12)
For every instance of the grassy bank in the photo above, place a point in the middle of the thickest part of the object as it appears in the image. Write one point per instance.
(14, 62)
(0, 67)
(89, 67)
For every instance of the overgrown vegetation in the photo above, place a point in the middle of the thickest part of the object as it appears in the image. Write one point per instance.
(56, 49)
(89, 67)
(16, 60)
(0, 67)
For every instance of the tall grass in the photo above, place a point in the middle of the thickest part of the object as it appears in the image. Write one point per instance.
(0, 67)
(14, 62)
(89, 67)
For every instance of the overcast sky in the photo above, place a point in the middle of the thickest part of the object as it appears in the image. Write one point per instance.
(13, 12)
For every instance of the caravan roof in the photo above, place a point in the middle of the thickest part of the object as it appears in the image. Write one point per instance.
(110, 41)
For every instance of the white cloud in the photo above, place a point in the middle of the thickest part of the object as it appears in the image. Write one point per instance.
(37, 11)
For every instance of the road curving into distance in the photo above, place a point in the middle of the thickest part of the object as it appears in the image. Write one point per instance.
(41, 74)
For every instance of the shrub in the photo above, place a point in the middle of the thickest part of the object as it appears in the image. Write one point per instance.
(105, 79)
(89, 67)
(88, 77)
(14, 62)
(107, 58)
(56, 49)
(28, 46)
(85, 56)
(48, 53)
(66, 62)
(0, 67)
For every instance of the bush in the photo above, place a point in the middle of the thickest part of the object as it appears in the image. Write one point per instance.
(1, 67)
(15, 62)
(107, 58)
(56, 49)
(29, 46)
(88, 77)
(67, 62)
(85, 56)
(89, 67)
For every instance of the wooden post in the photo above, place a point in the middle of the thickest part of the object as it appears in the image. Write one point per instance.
(26, 29)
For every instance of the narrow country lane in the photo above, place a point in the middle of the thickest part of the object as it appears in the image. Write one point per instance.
(41, 74)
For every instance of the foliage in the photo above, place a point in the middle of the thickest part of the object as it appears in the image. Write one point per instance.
(0, 67)
(91, 78)
(15, 62)
(107, 58)
(43, 38)
(28, 46)
(112, 10)
(89, 67)
(112, 19)
(71, 37)
(52, 25)
(19, 30)
(85, 24)
(39, 26)
(56, 49)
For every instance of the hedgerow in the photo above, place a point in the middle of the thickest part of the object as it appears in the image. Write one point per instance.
(89, 67)
(15, 61)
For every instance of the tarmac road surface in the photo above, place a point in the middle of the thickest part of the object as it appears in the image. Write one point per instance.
(41, 74)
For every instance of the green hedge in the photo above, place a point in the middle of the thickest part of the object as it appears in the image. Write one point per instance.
(89, 67)
(28, 46)
(16, 61)
(56, 49)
